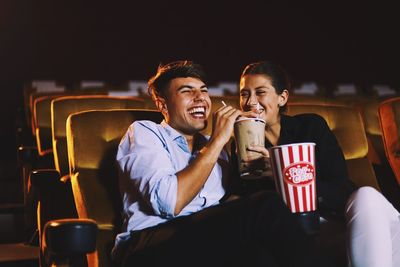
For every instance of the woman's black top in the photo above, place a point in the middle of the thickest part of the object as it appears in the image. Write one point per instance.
(333, 184)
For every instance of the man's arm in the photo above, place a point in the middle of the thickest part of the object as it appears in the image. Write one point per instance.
(147, 171)
(192, 178)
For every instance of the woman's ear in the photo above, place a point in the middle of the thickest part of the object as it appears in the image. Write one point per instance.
(283, 97)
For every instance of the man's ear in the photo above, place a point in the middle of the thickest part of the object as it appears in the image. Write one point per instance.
(283, 97)
(161, 105)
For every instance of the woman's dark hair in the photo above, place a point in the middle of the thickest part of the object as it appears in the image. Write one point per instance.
(279, 78)
(178, 69)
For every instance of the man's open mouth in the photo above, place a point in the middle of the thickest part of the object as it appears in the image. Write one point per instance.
(198, 112)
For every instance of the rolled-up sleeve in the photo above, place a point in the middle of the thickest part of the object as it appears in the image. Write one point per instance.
(143, 156)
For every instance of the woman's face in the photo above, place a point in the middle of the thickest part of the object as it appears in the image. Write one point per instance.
(257, 90)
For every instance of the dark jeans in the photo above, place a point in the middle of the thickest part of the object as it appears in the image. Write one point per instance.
(255, 230)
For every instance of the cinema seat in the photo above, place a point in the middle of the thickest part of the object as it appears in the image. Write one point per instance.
(389, 118)
(347, 125)
(42, 123)
(62, 107)
(53, 185)
(93, 139)
(67, 241)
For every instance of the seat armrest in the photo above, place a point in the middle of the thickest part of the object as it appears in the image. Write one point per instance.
(68, 238)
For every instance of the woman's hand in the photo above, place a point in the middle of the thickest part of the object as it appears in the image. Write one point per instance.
(260, 149)
(258, 162)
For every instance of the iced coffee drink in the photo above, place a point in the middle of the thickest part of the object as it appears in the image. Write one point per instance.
(249, 132)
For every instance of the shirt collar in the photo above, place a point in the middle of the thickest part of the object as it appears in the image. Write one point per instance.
(176, 136)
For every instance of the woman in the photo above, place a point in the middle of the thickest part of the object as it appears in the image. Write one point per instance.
(372, 222)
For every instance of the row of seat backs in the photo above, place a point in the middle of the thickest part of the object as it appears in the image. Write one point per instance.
(35, 97)
(346, 124)
(37, 109)
(43, 114)
(63, 106)
(93, 139)
(42, 118)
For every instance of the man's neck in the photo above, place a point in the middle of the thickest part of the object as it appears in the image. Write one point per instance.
(189, 140)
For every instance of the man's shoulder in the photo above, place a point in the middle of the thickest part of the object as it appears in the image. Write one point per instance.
(145, 130)
(144, 125)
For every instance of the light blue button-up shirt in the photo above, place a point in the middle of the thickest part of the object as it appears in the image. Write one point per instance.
(149, 156)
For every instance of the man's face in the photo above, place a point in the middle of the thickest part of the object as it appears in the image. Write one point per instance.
(188, 105)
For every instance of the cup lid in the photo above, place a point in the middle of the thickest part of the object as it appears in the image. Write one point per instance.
(239, 119)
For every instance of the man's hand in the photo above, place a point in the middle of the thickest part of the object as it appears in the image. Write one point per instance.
(223, 122)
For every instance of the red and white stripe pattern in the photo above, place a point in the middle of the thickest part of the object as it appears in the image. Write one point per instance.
(294, 172)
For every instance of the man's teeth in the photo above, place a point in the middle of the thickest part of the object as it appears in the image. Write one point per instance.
(197, 110)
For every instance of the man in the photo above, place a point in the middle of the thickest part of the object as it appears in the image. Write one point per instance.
(174, 180)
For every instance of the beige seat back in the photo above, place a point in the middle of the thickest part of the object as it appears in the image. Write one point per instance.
(41, 119)
(347, 125)
(42, 123)
(62, 107)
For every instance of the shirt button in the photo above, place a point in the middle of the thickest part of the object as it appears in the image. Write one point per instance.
(205, 201)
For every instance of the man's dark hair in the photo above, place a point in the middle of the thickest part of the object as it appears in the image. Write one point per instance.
(165, 73)
(279, 78)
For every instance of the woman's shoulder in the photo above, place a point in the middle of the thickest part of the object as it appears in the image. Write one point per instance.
(309, 118)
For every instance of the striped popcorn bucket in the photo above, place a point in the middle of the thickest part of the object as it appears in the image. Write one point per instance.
(293, 167)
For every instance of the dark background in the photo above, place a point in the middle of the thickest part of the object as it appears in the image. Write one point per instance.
(325, 41)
